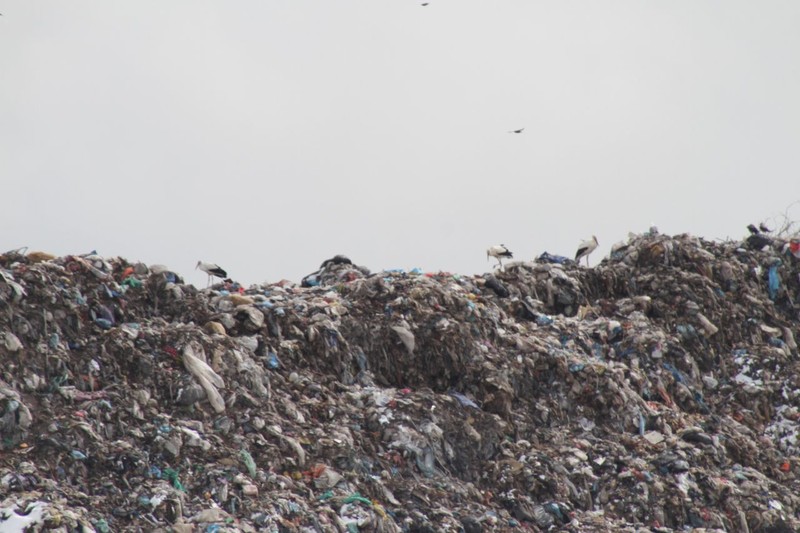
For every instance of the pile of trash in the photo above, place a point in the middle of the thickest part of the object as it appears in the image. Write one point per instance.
(656, 391)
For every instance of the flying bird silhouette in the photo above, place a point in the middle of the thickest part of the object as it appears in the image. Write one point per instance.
(516, 131)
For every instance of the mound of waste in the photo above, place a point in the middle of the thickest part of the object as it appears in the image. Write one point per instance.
(657, 391)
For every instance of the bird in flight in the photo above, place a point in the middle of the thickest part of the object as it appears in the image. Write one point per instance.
(424, 4)
(516, 131)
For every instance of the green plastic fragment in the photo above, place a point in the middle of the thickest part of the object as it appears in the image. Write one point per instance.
(171, 475)
(245, 456)
(132, 282)
(356, 497)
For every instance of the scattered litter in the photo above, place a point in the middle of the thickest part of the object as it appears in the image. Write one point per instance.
(654, 391)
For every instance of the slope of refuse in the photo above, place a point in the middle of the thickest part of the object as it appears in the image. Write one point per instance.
(656, 391)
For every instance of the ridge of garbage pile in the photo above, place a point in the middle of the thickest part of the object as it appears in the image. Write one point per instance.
(656, 391)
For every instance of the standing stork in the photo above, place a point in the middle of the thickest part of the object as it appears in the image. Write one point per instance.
(212, 270)
(499, 252)
(585, 248)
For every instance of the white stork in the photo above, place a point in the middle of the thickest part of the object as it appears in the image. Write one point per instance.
(212, 270)
(499, 252)
(585, 248)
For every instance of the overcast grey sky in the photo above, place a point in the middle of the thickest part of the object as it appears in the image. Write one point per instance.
(268, 136)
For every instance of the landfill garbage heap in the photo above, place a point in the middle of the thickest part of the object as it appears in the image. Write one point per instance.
(656, 391)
